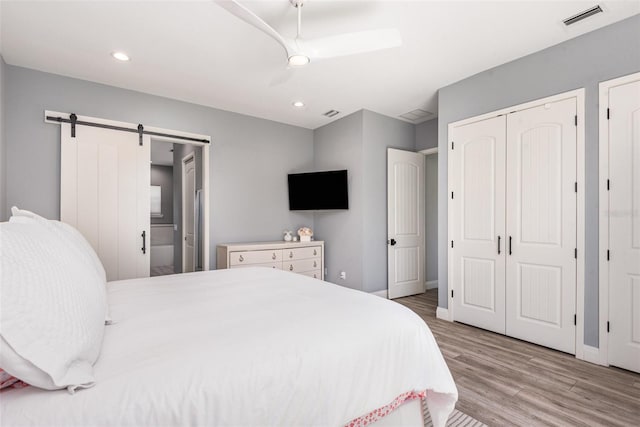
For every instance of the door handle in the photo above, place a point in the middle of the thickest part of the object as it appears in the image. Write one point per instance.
(510, 246)
(499, 238)
(144, 241)
(392, 242)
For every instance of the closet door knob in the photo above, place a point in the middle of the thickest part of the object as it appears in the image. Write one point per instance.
(510, 252)
(499, 245)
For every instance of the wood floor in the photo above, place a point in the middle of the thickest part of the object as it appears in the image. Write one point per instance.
(503, 381)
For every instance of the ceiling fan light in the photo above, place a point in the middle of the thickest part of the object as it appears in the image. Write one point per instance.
(298, 60)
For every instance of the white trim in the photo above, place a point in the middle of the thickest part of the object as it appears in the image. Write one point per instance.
(431, 284)
(205, 164)
(429, 151)
(191, 157)
(381, 294)
(603, 204)
(592, 355)
(579, 95)
(443, 314)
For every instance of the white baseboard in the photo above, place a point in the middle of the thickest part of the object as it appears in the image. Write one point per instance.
(592, 355)
(381, 294)
(431, 284)
(442, 313)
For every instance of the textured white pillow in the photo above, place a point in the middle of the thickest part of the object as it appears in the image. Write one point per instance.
(52, 307)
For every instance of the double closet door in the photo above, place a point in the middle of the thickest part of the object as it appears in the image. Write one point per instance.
(513, 239)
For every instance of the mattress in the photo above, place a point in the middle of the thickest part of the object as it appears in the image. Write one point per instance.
(246, 347)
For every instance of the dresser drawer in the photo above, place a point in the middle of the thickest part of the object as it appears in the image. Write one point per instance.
(316, 274)
(302, 265)
(302, 253)
(254, 257)
(276, 265)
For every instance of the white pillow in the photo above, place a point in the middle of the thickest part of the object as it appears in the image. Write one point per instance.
(52, 308)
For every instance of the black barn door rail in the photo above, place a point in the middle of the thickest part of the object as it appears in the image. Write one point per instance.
(73, 119)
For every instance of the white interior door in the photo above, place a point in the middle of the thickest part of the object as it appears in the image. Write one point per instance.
(405, 222)
(478, 199)
(541, 225)
(105, 194)
(624, 226)
(188, 213)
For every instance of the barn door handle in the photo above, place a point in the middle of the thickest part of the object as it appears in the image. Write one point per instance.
(144, 242)
(510, 245)
(499, 238)
(392, 242)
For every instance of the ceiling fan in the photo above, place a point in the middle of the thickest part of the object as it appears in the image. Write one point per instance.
(301, 51)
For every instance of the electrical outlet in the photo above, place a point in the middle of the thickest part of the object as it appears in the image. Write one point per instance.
(343, 275)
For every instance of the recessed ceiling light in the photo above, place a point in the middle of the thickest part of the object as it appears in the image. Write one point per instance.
(298, 104)
(298, 60)
(120, 56)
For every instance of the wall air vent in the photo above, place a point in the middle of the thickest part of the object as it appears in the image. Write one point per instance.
(417, 116)
(583, 15)
(331, 113)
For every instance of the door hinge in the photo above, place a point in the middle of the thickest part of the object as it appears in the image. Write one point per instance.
(452, 145)
(607, 326)
(608, 255)
(575, 187)
(452, 243)
(575, 253)
(575, 319)
(576, 120)
(608, 185)
(608, 114)
(451, 293)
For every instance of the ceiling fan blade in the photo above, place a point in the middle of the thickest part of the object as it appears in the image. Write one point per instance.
(349, 43)
(243, 13)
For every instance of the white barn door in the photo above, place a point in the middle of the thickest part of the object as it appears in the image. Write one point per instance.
(541, 225)
(405, 222)
(478, 199)
(104, 193)
(624, 226)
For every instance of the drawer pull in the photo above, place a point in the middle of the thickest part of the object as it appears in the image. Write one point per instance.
(315, 252)
(241, 258)
(315, 264)
(273, 256)
(315, 276)
(290, 254)
(290, 267)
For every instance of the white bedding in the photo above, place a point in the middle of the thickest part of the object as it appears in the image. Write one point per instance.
(249, 347)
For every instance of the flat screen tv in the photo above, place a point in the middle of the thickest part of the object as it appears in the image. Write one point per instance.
(318, 191)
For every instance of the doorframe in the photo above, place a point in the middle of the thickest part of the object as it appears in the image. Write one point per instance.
(206, 146)
(601, 354)
(184, 160)
(579, 95)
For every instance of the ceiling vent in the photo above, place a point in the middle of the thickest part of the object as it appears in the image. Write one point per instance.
(331, 113)
(417, 116)
(583, 15)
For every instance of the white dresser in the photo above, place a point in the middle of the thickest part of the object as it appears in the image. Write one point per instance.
(299, 257)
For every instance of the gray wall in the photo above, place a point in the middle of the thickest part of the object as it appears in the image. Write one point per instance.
(584, 61)
(379, 133)
(357, 238)
(3, 198)
(338, 145)
(163, 176)
(250, 157)
(431, 217)
(427, 135)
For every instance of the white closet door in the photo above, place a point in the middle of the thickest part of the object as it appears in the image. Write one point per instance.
(479, 218)
(405, 222)
(624, 226)
(105, 194)
(541, 225)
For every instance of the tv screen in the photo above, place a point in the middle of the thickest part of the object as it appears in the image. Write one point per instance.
(318, 191)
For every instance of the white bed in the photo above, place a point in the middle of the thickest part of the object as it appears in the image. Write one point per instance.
(245, 347)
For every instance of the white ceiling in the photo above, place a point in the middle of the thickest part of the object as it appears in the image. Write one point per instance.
(196, 51)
